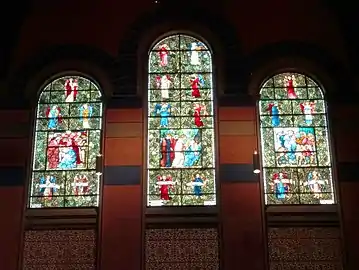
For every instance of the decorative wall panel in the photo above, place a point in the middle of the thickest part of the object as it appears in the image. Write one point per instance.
(60, 250)
(182, 249)
(306, 248)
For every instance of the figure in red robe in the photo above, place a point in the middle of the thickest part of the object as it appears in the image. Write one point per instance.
(199, 111)
(53, 152)
(158, 82)
(165, 184)
(289, 84)
(81, 185)
(168, 155)
(71, 88)
(196, 81)
(76, 149)
(163, 54)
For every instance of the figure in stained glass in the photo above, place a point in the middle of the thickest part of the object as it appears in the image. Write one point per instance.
(85, 114)
(197, 183)
(195, 49)
(307, 109)
(289, 84)
(281, 184)
(71, 88)
(164, 110)
(164, 83)
(48, 186)
(81, 184)
(179, 147)
(193, 153)
(167, 146)
(163, 54)
(295, 145)
(274, 113)
(315, 183)
(54, 115)
(66, 146)
(196, 81)
(199, 111)
(180, 131)
(165, 184)
(53, 152)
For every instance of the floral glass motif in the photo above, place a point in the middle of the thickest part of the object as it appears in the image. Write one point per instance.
(180, 149)
(294, 140)
(67, 141)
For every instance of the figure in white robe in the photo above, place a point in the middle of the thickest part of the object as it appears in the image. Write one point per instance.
(307, 109)
(195, 53)
(165, 85)
(179, 148)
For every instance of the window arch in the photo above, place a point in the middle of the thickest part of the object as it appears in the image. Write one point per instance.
(180, 147)
(66, 142)
(296, 158)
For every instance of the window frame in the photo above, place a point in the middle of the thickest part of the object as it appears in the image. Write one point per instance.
(261, 76)
(38, 85)
(144, 74)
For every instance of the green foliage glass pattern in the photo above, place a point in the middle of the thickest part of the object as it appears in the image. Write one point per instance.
(67, 141)
(296, 157)
(180, 152)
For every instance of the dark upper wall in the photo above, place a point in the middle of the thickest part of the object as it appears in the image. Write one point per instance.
(110, 32)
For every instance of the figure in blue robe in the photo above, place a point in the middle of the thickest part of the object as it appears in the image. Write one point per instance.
(164, 110)
(280, 190)
(281, 187)
(197, 188)
(168, 151)
(192, 154)
(54, 116)
(69, 158)
(274, 113)
(290, 144)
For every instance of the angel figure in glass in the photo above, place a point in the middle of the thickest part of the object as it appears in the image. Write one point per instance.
(196, 81)
(307, 109)
(54, 116)
(164, 111)
(86, 112)
(165, 184)
(71, 89)
(163, 54)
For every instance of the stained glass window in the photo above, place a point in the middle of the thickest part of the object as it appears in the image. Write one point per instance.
(294, 140)
(67, 141)
(180, 147)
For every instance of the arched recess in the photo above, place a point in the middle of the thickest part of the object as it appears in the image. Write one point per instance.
(296, 158)
(181, 123)
(67, 138)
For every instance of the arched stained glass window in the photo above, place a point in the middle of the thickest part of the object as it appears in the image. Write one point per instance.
(67, 141)
(296, 158)
(180, 148)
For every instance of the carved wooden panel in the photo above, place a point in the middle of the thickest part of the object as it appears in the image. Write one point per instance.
(309, 248)
(60, 250)
(182, 249)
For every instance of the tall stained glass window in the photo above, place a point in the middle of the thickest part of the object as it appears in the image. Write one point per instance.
(180, 147)
(67, 141)
(294, 140)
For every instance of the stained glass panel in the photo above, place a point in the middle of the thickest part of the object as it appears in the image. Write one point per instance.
(181, 165)
(67, 141)
(294, 140)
